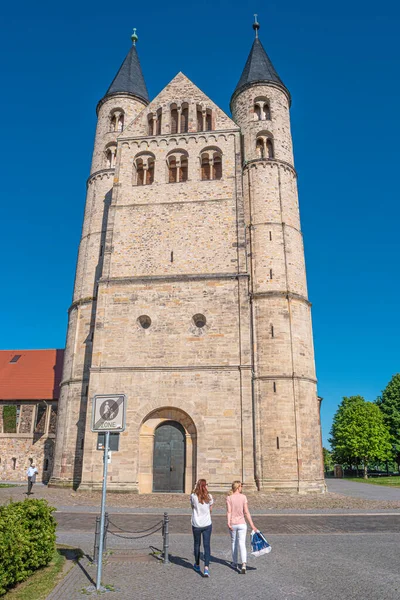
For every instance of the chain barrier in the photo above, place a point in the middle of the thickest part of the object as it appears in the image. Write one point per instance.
(160, 526)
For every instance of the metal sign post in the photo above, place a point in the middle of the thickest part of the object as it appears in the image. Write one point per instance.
(108, 414)
(103, 510)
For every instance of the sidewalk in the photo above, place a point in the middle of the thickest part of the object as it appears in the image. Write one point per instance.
(300, 567)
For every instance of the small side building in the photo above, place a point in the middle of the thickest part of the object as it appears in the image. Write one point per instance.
(29, 392)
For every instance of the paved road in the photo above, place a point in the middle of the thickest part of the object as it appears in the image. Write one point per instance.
(362, 490)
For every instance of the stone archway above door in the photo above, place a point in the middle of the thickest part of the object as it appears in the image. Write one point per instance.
(146, 446)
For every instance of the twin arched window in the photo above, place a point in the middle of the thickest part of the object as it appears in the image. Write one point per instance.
(155, 123)
(211, 164)
(180, 118)
(117, 121)
(144, 165)
(204, 118)
(111, 155)
(177, 167)
(262, 110)
(265, 146)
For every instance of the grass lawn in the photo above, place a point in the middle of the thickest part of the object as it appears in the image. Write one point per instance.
(388, 481)
(42, 582)
(7, 485)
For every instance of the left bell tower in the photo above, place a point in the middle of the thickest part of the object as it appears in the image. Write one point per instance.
(124, 100)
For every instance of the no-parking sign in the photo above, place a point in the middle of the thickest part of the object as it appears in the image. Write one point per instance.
(109, 412)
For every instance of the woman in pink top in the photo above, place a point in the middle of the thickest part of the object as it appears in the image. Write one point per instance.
(237, 514)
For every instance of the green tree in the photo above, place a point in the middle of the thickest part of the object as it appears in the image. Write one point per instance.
(328, 459)
(359, 433)
(389, 404)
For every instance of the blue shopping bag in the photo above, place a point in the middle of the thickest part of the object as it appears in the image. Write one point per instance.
(259, 544)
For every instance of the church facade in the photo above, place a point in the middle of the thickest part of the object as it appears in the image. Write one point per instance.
(190, 293)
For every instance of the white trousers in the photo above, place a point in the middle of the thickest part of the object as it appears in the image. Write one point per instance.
(238, 537)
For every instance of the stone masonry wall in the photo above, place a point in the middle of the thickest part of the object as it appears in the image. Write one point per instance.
(286, 424)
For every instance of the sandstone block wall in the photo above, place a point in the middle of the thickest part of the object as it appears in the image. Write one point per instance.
(243, 385)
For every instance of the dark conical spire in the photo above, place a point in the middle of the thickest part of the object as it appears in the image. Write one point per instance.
(129, 78)
(258, 68)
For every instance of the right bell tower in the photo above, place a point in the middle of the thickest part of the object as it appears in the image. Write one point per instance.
(288, 449)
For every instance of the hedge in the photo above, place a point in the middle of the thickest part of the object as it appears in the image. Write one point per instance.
(27, 540)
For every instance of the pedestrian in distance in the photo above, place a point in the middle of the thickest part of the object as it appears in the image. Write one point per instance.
(31, 472)
(202, 503)
(237, 512)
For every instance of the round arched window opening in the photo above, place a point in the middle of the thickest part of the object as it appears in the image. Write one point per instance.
(200, 321)
(144, 321)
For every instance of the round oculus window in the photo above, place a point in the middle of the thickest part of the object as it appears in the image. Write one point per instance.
(144, 321)
(199, 320)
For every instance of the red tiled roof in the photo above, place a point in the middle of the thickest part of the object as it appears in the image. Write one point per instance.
(36, 375)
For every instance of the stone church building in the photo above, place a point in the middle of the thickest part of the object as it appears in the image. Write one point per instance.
(190, 293)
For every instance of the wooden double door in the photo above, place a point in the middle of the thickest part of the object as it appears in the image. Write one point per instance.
(169, 458)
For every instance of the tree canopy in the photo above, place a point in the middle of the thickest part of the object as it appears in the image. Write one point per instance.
(389, 404)
(359, 433)
(328, 459)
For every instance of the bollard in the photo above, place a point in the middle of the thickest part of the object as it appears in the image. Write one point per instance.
(96, 540)
(166, 538)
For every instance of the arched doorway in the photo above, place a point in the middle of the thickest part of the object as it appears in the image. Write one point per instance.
(147, 434)
(169, 458)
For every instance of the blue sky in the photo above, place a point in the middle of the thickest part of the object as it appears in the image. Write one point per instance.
(341, 64)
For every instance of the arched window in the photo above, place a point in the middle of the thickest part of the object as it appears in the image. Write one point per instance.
(144, 166)
(211, 164)
(172, 170)
(261, 109)
(204, 118)
(150, 171)
(199, 119)
(260, 147)
(205, 167)
(150, 129)
(208, 120)
(174, 118)
(270, 148)
(265, 145)
(183, 171)
(177, 163)
(117, 121)
(159, 122)
(217, 166)
(139, 172)
(184, 118)
(111, 154)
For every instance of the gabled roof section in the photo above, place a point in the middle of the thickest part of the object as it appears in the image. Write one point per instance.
(258, 69)
(30, 374)
(129, 78)
(179, 90)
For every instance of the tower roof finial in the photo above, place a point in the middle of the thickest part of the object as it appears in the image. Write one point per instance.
(256, 25)
(134, 37)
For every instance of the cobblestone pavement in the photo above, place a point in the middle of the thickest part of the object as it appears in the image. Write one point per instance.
(276, 524)
(364, 491)
(300, 567)
(63, 498)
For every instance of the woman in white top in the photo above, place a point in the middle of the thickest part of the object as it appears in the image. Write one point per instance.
(201, 502)
(237, 511)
